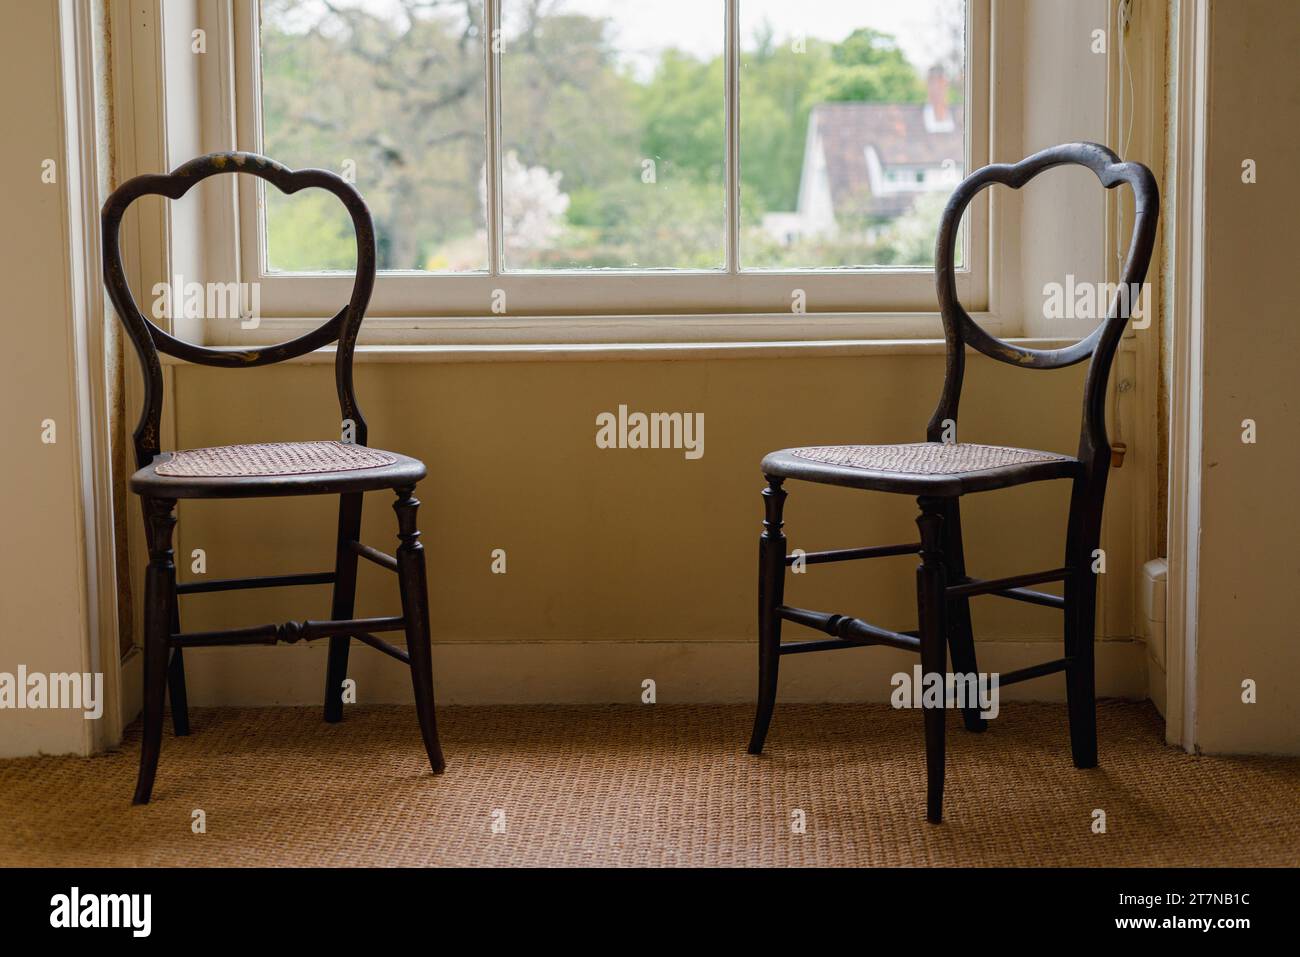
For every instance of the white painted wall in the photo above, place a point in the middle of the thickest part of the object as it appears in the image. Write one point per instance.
(1249, 610)
(43, 604)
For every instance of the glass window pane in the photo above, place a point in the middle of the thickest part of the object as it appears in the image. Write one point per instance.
(390, 95)
(613, 136)
(852, 130)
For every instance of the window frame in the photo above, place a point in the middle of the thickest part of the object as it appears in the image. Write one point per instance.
(427, 303)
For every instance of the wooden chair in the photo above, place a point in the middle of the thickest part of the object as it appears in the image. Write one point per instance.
(255, 471)
(939, 473)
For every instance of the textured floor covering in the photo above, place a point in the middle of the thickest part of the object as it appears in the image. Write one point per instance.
(650, 786)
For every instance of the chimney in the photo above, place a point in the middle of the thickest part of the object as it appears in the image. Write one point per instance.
(937, 89)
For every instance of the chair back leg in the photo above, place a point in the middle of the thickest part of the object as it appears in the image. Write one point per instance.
(932, 607)
(176, 692)
(159, 592)
(176, 678)
(415, 609)
(344, 601)
(771, 593)
(1080, 620)
(961, 637)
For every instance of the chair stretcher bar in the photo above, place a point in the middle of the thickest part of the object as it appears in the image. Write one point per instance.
(981, 586)
(1033, 671)
(261, 581)
(1030, 596)
(852, 554)
(289, 632)
(380, 645)
(374, 555)
(849, 631)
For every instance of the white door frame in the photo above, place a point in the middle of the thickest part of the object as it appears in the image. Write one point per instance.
(88, 364)
(1186, 206)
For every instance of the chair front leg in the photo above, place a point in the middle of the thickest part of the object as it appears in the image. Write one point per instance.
(931, 582)
(771, 592)
(345, 593)
(159, 589)
(415, 609)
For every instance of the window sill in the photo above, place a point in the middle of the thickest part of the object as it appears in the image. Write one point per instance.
(645, 351)
(605, 337)
(657, 351)
(632, 338)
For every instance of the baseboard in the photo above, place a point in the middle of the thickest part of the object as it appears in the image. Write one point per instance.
(613, 671)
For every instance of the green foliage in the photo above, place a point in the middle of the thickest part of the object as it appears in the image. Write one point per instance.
(681, 112)
(885, 83)
(309, 231)
(869, 67)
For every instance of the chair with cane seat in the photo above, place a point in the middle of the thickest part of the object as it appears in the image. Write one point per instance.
(277, 469)
(938, 473)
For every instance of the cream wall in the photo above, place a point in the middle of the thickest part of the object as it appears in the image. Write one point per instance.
(1249, 607)
(625, 564)
(43, 613)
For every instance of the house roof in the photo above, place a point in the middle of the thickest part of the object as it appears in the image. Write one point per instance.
(896, 131)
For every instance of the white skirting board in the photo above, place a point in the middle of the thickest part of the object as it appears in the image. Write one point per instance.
(613, 671)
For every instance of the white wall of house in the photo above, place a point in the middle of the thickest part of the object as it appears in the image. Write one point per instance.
(816, 207)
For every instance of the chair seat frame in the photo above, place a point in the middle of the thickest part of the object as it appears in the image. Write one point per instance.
(164, 641)
(944, 588)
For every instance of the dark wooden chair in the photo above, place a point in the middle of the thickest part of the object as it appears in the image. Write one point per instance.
(939, 473)
(254, 471)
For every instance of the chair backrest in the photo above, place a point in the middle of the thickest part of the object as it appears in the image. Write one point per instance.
(148, 339)
(960, 330)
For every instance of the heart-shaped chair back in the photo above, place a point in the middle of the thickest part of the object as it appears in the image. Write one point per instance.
(1099, 345)
(149, 339)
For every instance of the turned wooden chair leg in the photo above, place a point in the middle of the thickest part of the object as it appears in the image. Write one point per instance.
(344, 601)
(159, 589)
(176, 677)
(931, 580)
(771, 589)
(961, 637)
(415, 609)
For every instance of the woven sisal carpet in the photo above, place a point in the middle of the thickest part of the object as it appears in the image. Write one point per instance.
(657, 785)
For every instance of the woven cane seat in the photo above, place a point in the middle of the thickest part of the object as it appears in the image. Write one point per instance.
(278, 458)
(275, 468)
(921, 467)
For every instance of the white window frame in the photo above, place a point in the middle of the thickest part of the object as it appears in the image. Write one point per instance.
(174, 105)
(583, 305)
